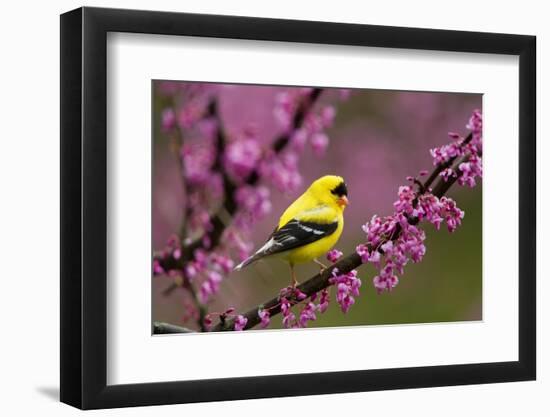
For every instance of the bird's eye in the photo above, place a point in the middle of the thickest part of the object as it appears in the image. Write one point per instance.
(340, 190)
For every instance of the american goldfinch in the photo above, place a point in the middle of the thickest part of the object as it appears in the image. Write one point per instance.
(309, 227)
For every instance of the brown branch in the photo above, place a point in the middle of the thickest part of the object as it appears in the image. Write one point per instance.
(167, 328)
(344, 265)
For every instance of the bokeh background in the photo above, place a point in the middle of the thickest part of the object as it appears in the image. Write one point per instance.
(379, 137)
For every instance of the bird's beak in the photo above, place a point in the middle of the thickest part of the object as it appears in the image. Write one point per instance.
(343, 201)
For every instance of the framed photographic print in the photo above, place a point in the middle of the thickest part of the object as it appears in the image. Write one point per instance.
(259, 208)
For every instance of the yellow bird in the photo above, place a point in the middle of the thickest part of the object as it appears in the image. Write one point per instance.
(309, 227)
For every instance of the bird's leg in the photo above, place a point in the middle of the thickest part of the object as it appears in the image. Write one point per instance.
(322, 265)
(294, 281)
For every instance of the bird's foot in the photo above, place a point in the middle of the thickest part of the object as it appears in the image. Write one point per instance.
(322, 266)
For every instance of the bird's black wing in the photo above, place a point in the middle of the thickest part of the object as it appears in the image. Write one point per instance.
(296, 233)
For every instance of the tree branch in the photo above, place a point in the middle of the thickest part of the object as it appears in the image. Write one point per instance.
(167, 328)
(229, 204)
(348, 263)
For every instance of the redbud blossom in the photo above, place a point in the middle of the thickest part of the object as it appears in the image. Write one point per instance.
(319, 143)
(307, 314)
(211, 286)
(264, 317)
(390, 253)
(347, 288)
(288, 315)
(240, 322)
(334, 255)
(324, 300)
(168, 120)
(241, 158)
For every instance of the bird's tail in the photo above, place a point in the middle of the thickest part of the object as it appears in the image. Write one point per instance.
(248, 261)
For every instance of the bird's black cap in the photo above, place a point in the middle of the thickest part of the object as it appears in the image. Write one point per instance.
(340, 190)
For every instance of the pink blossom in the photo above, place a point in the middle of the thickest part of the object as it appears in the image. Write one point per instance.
(475, 124)
(288, 316)
(319, 143)
(282, 171)
(378, 228)
(333, 255)
(207, 322)
(452, 214)
(240, 322)
(446, 152)
(298, 139)
(470, 170)
(299, 295)
(386, 281)
(211, 286)
(367, 255)
(254, 203)
(197, 161)
(241, 158)
(233, 238)
(224, 262)
(406, 197)
(447, 173)
(157, 268)
(347, 288)
(200, 220)
(191, 270)
(307, 314)
(313, 123)
(284, 110)
(189, 115)
(327, 116)
(264, 317)
(168, 120)
(324, 300)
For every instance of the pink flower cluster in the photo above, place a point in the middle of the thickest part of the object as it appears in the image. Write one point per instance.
(428, 207)
(242, 157)
(209, 269)
(206, 268)
(291, 297)
(289, 318)
(468, 149)
(394, 240)
(347, 288)
(315, 123)
(254, 203)
(281, 170)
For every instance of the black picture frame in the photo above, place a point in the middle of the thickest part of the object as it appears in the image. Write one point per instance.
(84, 207)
